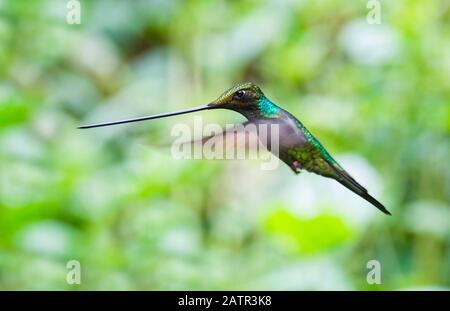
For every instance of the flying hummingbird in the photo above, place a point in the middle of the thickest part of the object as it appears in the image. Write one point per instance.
(298, 148)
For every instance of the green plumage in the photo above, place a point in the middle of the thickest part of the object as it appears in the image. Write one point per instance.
(308, 153)
(313, 157)
(267, 108)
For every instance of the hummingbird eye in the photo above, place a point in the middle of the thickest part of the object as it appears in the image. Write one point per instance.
(239, 94)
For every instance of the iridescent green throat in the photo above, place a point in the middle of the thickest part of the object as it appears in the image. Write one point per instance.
(266, 107)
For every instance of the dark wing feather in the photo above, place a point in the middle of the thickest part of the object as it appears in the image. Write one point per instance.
(346, 180)
(316, 159)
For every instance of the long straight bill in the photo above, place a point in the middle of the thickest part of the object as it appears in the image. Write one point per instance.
(156, 116)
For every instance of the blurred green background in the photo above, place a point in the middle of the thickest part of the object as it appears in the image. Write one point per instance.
(377, 96)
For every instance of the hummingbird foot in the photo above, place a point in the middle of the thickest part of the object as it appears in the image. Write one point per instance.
(296, 166)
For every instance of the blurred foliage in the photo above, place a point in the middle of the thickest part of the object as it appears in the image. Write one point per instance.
(377, 96)
(308, 235)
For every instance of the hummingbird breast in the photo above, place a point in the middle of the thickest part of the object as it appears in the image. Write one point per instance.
(283, 134)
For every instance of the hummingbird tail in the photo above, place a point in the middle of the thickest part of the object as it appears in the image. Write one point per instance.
(346, 180)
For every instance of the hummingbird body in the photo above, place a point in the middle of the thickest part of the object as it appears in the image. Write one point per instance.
(297, 147)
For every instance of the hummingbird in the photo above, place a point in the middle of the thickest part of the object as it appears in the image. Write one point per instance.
(297, 147)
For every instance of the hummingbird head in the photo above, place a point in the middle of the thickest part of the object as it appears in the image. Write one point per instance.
(242, 97)
(245, 98)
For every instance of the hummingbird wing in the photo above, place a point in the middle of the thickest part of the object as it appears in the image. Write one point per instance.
(237, 136)
(314, 158)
